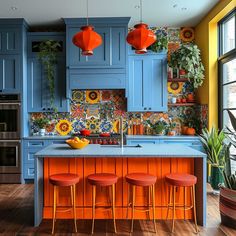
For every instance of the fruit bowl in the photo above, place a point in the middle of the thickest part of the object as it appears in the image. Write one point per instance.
(77, 143)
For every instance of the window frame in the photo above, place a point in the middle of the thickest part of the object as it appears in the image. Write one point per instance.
(222, 59)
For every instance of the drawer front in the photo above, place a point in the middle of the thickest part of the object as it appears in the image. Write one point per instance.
(28, 171)
(35, 143)
(135, 142)
(57, 142)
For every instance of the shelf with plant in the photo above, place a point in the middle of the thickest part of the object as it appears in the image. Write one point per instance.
(47, 55)
(182, 104)
(188, 58)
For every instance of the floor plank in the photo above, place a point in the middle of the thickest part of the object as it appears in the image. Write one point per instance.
(16, 218)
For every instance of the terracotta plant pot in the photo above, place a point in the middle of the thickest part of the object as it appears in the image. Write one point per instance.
(184, 129)
(182, 72)
(228, 207)
(190, 97)
(190, 131)
(183, 100)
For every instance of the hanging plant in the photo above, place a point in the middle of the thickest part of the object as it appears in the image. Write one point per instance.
(47, 54)
(188, 58)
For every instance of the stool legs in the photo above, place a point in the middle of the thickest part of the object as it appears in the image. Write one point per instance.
(173, 210)
(93, 211)
(54, 207)
(194, 207)
(72, 189)
(153, 205)
(133, 205)
(113, 206)
(169, 202)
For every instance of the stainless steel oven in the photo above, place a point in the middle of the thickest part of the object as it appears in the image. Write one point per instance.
(10, 107)
(10, 164)
(10, 147)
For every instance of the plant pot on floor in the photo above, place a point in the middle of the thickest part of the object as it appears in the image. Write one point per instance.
(216, 178)
(228, 207)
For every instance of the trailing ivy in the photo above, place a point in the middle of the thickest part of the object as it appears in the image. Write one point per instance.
(47, 54)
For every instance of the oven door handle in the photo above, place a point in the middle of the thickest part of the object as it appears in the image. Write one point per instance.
(9, 141)
(10, 103)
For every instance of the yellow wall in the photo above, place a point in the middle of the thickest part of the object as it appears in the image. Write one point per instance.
(207, 40)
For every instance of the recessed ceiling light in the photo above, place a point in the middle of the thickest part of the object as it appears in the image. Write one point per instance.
(184, 8)
(175, 5)
(14, 8)
(136, 6)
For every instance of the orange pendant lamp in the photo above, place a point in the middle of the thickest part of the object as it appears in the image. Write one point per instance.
(141, 37)
(87, 39)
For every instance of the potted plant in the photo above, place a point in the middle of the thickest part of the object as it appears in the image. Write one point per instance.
(47, 54)
(228, 189)
(161, 42)
(188, 58)
(41, 123)
(171, 128)
(159, 127)
(215, 146)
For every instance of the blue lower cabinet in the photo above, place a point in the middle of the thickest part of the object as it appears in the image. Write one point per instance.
(193, 142)
(147, 83)
(30, 147)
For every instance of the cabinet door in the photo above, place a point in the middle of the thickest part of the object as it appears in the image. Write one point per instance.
(9, 73)
(101, 56)
(36, 86)
(135, 87)
(155, 83)
(147, 89)
(10, 40)
(38, 91)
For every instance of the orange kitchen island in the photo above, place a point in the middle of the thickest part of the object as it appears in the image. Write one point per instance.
(158, 160)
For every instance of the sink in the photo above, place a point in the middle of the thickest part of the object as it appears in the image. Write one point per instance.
(124, 146)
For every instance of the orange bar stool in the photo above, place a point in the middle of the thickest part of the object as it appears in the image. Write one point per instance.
(175, 181)
(142, 180)
(64, 180)
(103, 180)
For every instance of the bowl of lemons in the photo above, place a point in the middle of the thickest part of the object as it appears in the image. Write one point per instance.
(77, 143)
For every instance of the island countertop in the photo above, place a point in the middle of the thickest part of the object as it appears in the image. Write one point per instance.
(96, 150)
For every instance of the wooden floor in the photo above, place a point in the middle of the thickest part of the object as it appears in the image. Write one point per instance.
(16, 218)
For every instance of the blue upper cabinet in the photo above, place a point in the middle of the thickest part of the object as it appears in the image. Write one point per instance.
(12, 55)
(10, 73)
(147, 85)
(107, 68)
(38, 90)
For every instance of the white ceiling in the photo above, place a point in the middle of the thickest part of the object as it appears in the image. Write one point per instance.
(155, 12)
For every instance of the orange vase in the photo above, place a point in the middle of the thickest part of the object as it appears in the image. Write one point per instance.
(87, 40)
(141, 38)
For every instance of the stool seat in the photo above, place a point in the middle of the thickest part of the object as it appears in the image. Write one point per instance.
(65, 179)
(140, 179)
(102, 179)
(181, 180)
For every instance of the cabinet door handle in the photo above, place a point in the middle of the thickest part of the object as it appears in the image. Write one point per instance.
(150, 108)
(145, 108)
(49, 109)
(0, 90)
(44, 109)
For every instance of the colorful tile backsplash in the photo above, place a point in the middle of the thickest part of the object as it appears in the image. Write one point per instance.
(100, 110)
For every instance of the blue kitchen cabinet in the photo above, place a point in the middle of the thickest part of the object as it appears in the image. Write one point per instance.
(38, 90)
(10, 39)
(30, 147)
(10, 69)
(107, 68)
(147, 83)
(12, 55)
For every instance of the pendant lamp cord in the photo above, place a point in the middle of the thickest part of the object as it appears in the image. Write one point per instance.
(141, 11)
(87, 12)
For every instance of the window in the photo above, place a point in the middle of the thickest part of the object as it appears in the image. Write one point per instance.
(227, 72)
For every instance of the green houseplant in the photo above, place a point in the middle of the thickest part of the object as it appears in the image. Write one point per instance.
(188, 58)
(214, 144)
(47, 54)
(158, 127)
(228, 190)
(161, 42)
(41, 123)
